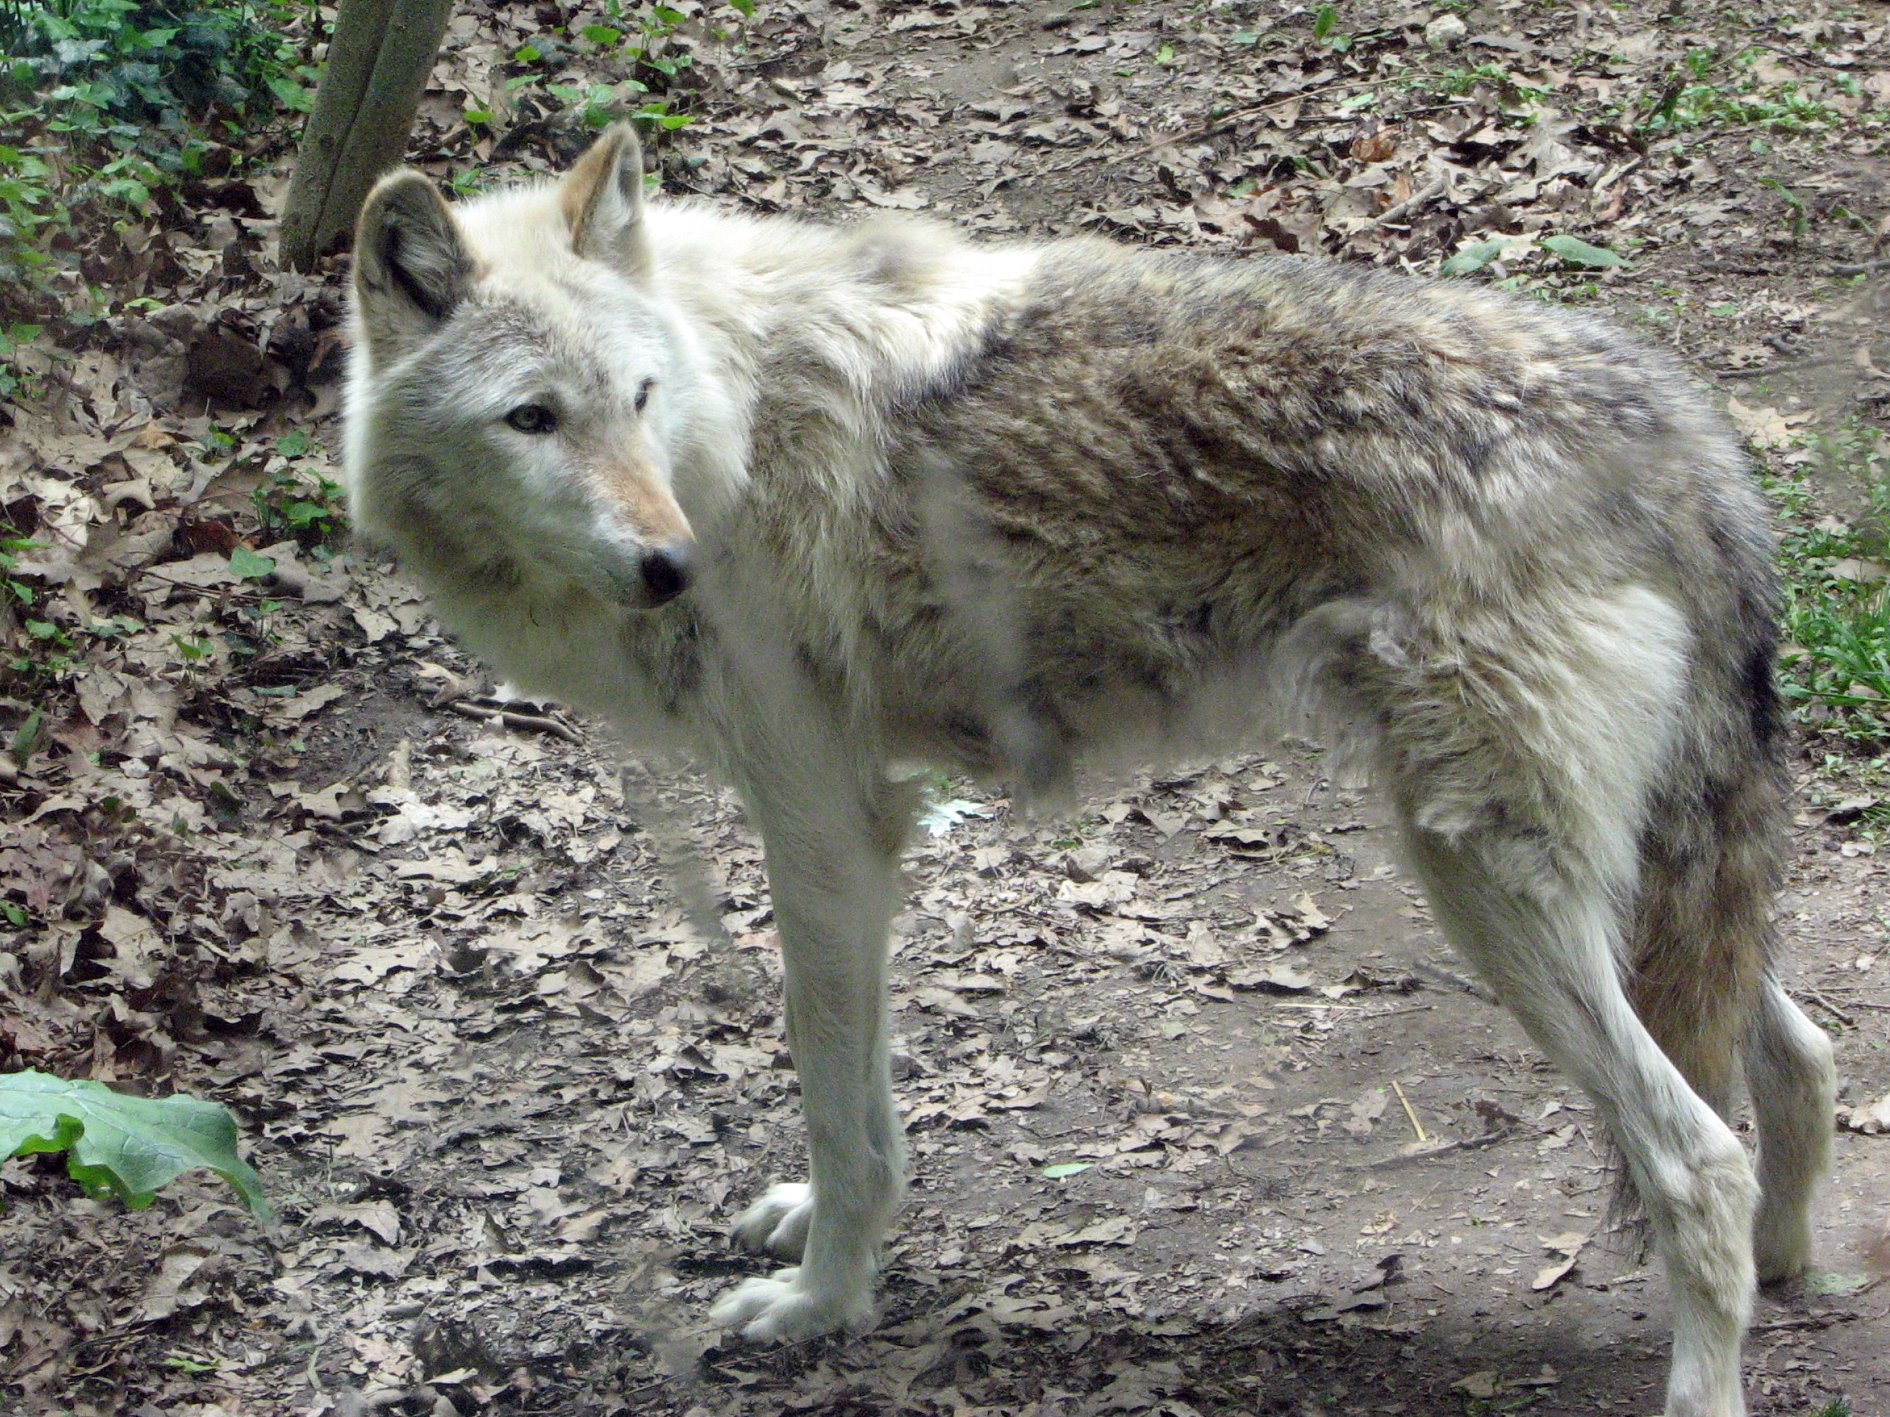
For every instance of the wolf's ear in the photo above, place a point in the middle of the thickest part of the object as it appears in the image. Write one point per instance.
(602, 198)
(410, 266)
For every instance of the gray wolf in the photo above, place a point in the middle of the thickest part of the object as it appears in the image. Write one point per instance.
(811, 502)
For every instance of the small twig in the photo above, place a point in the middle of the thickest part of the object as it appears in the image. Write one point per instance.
(1462, 1144)
(1407, 1009)
(1809, 1321)
(1861, 268)
(1848, 1020)
(511, 718)
(1439, 974)
(1409, 1111)
(1435, 188)
(1784, 366)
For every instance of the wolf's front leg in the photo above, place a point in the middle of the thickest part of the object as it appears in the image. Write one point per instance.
(834, 875)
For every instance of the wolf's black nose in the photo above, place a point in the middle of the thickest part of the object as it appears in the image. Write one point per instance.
(666, 572)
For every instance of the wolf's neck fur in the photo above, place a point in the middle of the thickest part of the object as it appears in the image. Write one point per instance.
(883, 308)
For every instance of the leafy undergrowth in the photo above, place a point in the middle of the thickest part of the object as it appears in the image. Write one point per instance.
(1833, 492)
(120, 115)
(268, 842)
(1837, 611)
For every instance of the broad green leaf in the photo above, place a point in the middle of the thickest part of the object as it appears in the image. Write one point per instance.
(1578, 252)
(293, 96)
(1323, 21)
(1067, 1168)
(120, 1145)
(1830, 1285)
(1473, 258)
(247, 565)
(26, 736)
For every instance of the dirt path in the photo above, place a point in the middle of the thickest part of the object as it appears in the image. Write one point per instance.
(1203, 1117)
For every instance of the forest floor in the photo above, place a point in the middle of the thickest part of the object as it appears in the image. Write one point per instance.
(1204, 1119)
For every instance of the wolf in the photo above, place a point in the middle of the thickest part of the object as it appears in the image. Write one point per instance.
(811, 502)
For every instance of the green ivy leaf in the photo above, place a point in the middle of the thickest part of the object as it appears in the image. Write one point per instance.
(120, 1145)
(26, 736)
(1830, 1285)
(291, 95)
(1473, 258)
(247, 565)
(1067, 1168)
(1578, 252)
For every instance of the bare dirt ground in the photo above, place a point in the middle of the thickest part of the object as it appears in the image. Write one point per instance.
(1204, 1119)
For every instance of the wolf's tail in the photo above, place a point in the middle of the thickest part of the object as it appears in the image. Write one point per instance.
(1702, 938)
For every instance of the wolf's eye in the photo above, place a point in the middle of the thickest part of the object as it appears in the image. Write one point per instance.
(643, 393)
(532, 418)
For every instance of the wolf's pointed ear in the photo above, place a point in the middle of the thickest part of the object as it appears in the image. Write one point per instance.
(602, 198)
(410, 266)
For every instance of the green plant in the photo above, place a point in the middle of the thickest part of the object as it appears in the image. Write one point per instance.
(103, 102)
(1797, 216)
(295, 502)
(1571, 251)
(12, 547)
(1456, 83)
(1836, 616)
(1730, 93)
(122, 1146)
(1325, 29)
(29, 205)
(655, 45)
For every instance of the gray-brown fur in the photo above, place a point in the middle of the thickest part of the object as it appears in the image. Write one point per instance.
(1009, 509)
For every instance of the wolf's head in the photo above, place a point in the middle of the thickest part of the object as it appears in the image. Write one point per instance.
(518, 391)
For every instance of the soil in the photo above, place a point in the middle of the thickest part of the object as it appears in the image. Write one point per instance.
(1204, 1117)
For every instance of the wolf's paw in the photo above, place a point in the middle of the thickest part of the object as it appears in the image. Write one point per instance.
(781, 1307)
(777, 1223)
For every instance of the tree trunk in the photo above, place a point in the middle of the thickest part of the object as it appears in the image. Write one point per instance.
(378, 64)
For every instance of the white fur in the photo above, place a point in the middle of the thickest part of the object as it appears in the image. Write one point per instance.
(1522, 708)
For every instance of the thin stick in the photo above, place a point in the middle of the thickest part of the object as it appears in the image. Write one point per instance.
(1825, 1320)
(1456, 981)
(1848, 1020)
(1416, 1125)
(1385, 1163)
(537, 723)
(1435, 188)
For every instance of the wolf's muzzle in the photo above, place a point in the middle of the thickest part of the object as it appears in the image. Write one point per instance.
(666, 571)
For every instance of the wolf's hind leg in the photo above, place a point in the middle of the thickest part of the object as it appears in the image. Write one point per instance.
(1793, 1083)
(1551, 955)
(1523, 752)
